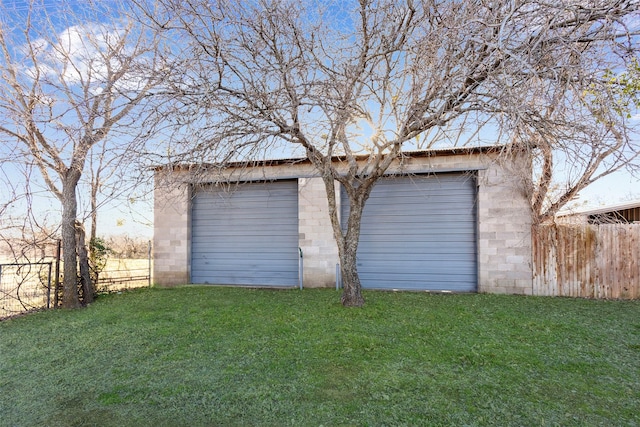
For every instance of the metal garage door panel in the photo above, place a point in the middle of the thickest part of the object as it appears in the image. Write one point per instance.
(246, 236)
(419, 233)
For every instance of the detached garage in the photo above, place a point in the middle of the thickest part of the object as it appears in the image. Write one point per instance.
(447, 220)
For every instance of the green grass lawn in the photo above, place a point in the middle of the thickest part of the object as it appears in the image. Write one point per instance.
(195, 356)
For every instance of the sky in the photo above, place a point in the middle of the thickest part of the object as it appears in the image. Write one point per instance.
(133, 214)
(616, 188)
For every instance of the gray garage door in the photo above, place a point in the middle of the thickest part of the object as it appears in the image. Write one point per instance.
(419, 233)
(246, 236)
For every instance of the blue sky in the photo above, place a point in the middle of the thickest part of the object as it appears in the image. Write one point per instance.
(134, 218)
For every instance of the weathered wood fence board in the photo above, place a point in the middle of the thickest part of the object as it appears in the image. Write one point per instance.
(590, 261)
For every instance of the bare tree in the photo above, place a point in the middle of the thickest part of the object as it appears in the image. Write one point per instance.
(579, 131)
(305, 75)
(71, 79)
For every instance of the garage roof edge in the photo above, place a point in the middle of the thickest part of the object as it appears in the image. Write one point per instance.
(302, 160)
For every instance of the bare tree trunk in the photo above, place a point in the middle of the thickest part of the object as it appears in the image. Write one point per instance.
(348, 251)
(88, 291)
(352, 288)
(69, 212)
(347, 241)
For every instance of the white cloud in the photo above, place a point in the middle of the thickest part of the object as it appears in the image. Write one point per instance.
(77, 55)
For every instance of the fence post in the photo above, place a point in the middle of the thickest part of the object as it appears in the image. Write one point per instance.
(149, 262)
(56, 280)
(49, 287)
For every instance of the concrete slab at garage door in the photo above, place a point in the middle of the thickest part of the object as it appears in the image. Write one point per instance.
(419, 233)
(247, 235)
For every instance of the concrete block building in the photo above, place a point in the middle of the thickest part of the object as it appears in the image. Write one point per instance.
(447, 220)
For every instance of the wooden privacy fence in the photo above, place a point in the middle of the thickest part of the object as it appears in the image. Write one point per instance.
(589, 261)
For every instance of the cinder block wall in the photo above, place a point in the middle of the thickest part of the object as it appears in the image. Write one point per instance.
(504, 232)
(504, 219)
(171, 231)
(316, 233)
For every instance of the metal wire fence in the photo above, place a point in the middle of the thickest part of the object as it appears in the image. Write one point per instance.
(25, 287)
(32, 286)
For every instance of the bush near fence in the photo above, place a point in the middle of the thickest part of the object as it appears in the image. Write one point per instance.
(587, 260)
